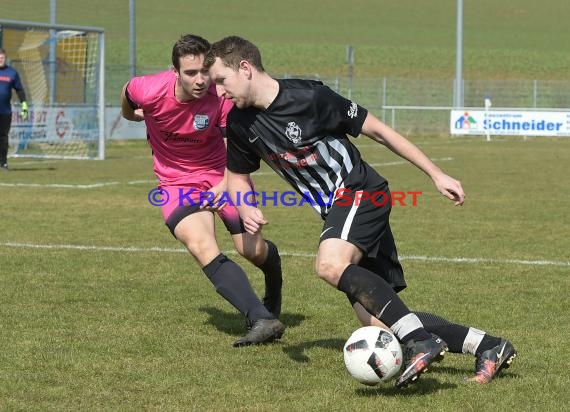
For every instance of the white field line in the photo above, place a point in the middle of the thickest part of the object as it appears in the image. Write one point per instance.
(59, 185)
(142, 182)
(432, 259)
(41, 162)
(70, 186)
(403, 162)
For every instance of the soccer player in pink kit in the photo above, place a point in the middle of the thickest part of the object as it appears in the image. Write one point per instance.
(185, 121)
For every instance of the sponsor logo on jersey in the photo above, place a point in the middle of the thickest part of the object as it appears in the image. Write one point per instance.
(353, 110)
(293, 132)
(201, 121)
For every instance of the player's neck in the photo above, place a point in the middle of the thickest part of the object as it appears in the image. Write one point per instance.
(181, 95)
(267, 89)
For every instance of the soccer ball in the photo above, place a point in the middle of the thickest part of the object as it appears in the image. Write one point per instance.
(372, 355)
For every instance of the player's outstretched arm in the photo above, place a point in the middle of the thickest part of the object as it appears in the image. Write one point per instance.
(238, 186)
(383, 134)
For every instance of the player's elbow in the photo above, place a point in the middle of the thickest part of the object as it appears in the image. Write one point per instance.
(127, 117)
(130, 114)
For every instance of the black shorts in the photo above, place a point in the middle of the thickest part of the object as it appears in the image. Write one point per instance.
(366, 224)
(386, 262)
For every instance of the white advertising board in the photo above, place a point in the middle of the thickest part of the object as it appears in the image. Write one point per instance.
(509, 122)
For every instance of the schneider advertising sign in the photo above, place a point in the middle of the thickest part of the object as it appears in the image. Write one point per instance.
(507, 122)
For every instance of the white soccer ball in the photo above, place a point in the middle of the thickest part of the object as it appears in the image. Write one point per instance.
(372, 355)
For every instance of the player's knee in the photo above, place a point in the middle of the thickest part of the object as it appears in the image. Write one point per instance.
(196, 248)
(201, 248)
(329, 270)
(254, 251)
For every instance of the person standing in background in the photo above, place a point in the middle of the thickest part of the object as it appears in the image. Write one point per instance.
(9, 79)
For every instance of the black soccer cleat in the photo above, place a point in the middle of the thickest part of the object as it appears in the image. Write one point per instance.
(262, 331)
(489, 363)
(418, 356)
(273, 305)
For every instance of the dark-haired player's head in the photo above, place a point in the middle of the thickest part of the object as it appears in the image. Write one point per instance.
(188, 44)
(192, 79)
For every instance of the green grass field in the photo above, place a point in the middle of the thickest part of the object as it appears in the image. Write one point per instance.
(103, 310)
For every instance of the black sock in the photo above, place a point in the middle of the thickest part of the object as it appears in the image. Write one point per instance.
(487, 343)
(452, 333)
(231, 282)
(378, 298)
(271, 269)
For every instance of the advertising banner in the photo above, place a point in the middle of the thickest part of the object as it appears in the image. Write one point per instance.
(510, 122)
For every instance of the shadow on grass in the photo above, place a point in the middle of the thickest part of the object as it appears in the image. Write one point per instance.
(297, 352)
(450, 370)
(233, 323)
(424, 386)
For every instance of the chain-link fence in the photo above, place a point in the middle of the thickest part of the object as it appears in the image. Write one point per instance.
(418, 106)
(422, 106)
(410, 105)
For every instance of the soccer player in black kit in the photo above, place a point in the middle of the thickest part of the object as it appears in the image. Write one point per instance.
(300, 129)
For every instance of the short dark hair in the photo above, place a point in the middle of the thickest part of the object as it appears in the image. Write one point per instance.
(2, 51)
(232, 50)
(186, 45)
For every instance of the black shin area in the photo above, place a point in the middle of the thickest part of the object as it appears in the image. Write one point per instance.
(271, 269)
(232, 283)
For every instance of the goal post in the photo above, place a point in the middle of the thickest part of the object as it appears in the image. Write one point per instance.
(62, 69)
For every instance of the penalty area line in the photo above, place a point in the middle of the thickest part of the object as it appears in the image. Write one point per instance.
(432, 259)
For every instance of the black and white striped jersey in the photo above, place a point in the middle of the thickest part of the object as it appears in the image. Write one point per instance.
(302, 135)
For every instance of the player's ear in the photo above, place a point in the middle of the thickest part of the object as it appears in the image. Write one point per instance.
(245, 66)
(176, 72)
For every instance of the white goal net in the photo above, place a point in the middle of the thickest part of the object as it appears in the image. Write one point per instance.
(62, 71)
